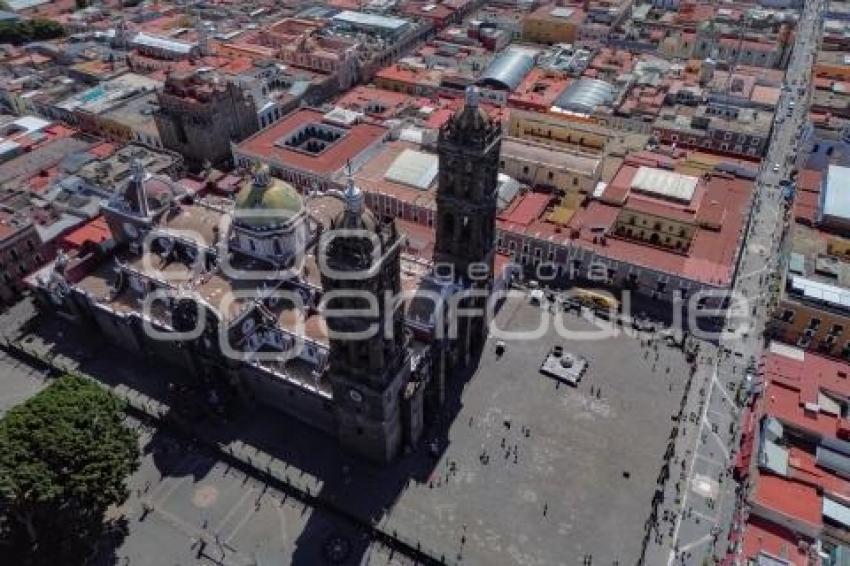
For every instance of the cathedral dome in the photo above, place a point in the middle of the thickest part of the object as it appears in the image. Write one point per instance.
(276, 202)
(364, 220)
(355, 215)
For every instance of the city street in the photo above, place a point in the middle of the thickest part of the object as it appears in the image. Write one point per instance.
(696, 520)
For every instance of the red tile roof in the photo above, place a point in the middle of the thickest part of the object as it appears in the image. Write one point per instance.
(790, 499)
(263, 144)
(786, 404)
(810, 180)
(95, 231)
(538, 90)
(802, 467)
(365, 98)
(807, 199)
(712, 254)
(526, 209)
(103, 150)
(812, 371)
(763, 536)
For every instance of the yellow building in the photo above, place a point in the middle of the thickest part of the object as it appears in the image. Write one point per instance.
(570, 175)
(538, 165)
(655, 230)
(558, 131)
(552, 24)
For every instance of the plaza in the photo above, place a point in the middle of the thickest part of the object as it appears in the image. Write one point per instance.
(518, 462)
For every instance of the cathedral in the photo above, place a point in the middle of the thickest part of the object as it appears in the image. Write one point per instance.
(305, 303)
(469, 148)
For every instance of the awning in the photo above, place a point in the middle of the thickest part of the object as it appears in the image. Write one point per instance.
(836, 512)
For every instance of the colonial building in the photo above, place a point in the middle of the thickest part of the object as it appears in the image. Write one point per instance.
(813, 306)
(233, 292)
(19, 244)
(261, 298)
(199, 115)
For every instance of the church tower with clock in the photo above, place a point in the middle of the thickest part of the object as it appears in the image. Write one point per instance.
(469, 147)
(378, 406)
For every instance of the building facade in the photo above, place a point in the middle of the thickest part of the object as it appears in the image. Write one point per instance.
(200, 116)
(378, 404)
(19, 254)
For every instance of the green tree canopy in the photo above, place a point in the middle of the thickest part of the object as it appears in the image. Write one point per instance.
(24, 31)
(64, 458)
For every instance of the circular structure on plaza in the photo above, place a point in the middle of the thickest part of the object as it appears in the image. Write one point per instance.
(336, 549)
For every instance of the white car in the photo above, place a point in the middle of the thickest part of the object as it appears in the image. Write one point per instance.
(776, 167)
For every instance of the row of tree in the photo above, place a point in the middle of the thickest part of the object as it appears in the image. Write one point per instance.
(65, 455)
(23, 31)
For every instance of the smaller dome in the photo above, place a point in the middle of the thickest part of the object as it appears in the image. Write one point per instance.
(350, 220)
(354, 216)
(276, 201)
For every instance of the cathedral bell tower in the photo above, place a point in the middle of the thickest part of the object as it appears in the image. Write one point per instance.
(469, 147)
(360, 258)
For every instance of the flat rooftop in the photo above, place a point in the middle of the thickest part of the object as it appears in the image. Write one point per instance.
(718, 207)
(749, 120)
(814, 273)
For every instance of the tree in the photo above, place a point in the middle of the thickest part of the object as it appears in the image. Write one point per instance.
(64, 458)
(24, 31)
(46, 29)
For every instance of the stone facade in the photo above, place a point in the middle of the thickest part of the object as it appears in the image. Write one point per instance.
(20, 252)
(468, 148)
(235, 294)
(370, 375)
(199, 117)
